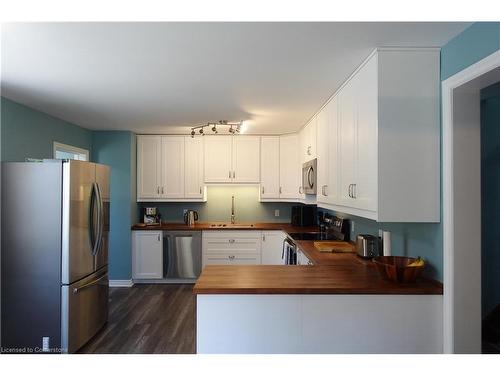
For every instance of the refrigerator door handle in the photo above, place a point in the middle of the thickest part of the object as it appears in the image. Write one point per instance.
(94, 237)
(100, 222)
(96, 281)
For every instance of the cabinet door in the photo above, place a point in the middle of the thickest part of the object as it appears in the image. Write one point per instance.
(272, 247)
(246, 159)
(290, 167)
(365, 189)
(172, 151)
(311, 139)
(332, 184)
(193, 174)
(269, 167)
(218, 154)
(307, 140)
(147, 255)
(323, 147)
(148, 167)
(346, 144)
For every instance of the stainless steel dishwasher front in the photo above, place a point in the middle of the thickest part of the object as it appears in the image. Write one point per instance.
(181, 254)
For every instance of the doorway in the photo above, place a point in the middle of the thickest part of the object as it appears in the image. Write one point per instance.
(490, 216)
(462, 204)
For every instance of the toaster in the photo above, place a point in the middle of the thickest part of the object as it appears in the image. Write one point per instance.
(367, 246)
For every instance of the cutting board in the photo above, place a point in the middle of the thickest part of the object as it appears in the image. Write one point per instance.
(334, 246)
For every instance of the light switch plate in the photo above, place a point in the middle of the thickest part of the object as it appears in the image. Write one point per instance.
(276, 213)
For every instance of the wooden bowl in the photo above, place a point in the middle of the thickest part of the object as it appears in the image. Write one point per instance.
(396, 268)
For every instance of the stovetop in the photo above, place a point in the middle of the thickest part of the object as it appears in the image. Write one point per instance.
(312, 236)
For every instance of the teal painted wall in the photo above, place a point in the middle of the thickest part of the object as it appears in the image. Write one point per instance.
(490, 196)
(117, 149)
(218, 206)
(28, 133)
(473, 44)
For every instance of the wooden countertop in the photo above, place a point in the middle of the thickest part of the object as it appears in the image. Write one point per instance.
(332, 273)
(286, 227)
(331, 279)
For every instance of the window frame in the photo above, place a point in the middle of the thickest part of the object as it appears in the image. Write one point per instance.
(58, 146)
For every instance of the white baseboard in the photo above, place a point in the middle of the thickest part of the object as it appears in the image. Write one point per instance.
(121, 283)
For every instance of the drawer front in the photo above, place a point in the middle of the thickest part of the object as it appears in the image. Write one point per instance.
(232, 241)
(230, 259)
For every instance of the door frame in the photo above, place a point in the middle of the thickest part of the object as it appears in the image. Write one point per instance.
(450, 236)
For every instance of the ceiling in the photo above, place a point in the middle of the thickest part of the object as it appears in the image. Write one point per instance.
(166, 77)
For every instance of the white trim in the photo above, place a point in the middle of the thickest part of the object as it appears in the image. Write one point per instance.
(121, 283)
(468, 74)
(57, 146)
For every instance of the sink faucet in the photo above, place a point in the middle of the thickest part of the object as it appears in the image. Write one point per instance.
(232, 209)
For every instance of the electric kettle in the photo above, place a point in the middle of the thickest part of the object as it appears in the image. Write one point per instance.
(190, 217)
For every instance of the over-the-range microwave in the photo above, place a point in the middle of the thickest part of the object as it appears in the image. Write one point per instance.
(309, 177)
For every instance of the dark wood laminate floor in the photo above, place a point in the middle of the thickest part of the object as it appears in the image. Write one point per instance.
(148, 318)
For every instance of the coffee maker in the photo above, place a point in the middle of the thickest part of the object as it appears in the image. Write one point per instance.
(151, 216)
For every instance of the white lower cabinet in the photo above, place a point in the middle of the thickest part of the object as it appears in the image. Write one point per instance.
(147, 254)
(231, 247)
(302, 259)
(272, 247)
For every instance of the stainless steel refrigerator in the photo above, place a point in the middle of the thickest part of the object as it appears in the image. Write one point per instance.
(55, 225)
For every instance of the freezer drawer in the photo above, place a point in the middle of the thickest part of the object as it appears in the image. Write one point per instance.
(182, 254)
(84, 309)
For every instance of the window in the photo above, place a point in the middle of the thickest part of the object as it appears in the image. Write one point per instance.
(62, 151)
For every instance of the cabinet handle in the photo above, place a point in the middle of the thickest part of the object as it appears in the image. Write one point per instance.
(200, 189)
(229, 174)
(234, 174)
(162, 190)
(158, 238)
(350, 196)
(231, 257)
(280, 189)
(231, 240)
(262, 189)
(300, 189)
(354, 195)
(263, 237)
(158, 190)
(308, 150)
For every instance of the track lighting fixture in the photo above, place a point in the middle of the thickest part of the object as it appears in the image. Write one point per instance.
(234, 127)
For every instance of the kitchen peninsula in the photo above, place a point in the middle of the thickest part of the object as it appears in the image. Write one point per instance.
(339, 304)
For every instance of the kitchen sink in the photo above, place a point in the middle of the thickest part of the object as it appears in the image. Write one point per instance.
(229, 225)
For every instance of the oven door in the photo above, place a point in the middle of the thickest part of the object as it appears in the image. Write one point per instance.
(309, 177)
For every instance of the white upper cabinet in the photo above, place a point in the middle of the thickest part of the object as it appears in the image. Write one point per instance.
(218, 155)
(172, 150)
(269, 168)
(365, 183)
(193, 178)
(327, 153)
(290, 167)
(246, 159)
(308, 141)
(232, 159)
(148, 167)
(169, 168)
(388, 132)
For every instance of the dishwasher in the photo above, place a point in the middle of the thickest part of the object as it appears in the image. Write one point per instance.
(181, 255)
